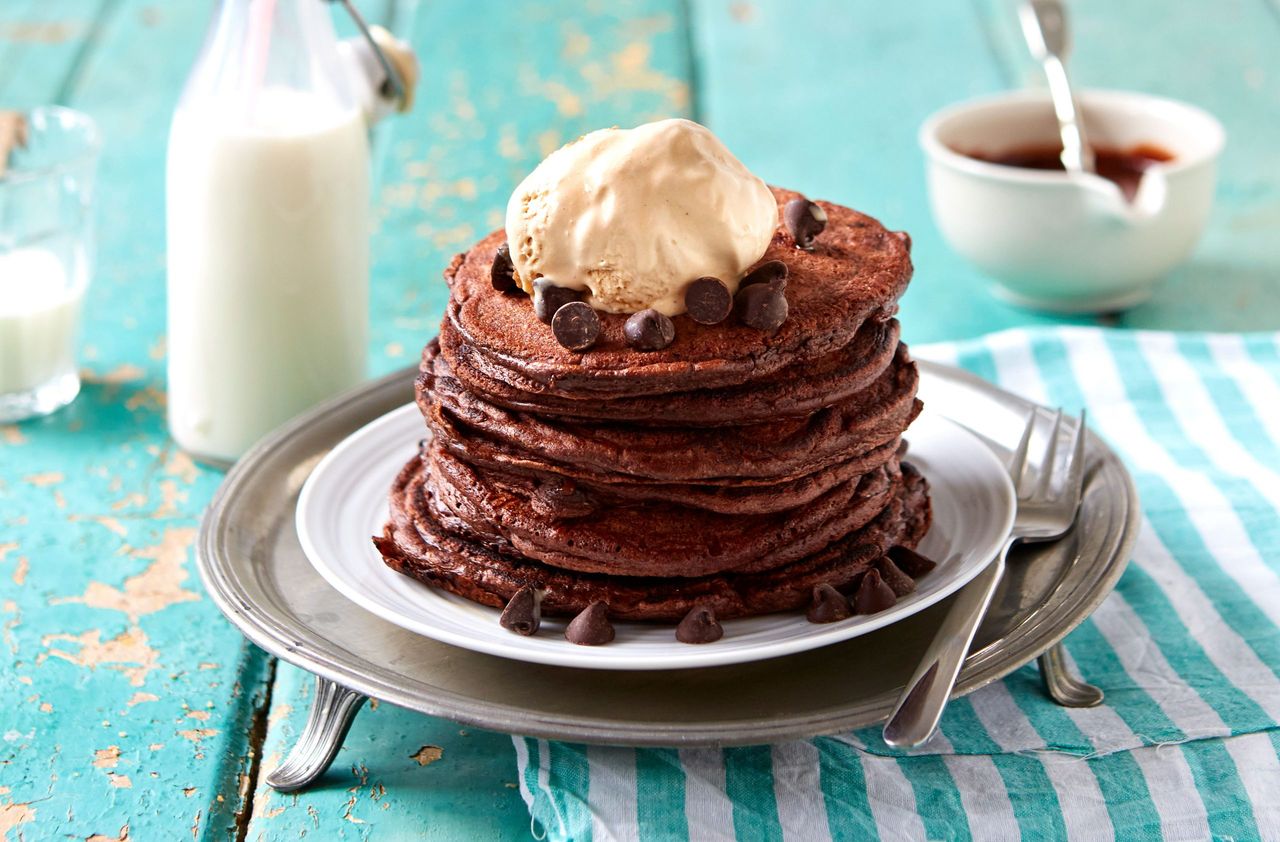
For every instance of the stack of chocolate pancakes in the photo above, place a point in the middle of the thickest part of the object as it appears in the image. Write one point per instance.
(735, 470)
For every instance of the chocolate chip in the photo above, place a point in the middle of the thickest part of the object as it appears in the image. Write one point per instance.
(804, 221)
(576, 326)
(560, 499)
(523, 614)
(873, 594)
(503, 272)
(828, 605)
(699, 626)
(899, 582)
(649, 330)
(772, 272)
(591, 627)
(905, 237)
(762, 306)
(911, 562)
(549, 298)
(708, 301)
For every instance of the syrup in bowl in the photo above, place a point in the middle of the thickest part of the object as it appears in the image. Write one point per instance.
(1122, 166)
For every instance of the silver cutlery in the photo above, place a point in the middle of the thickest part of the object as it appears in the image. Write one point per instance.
(1044, 26)
(1048, 502)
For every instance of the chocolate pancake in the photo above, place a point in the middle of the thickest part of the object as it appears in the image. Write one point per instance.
(795, 390)
(780, 450)
(856, 270)
(423, 541)
(740, 497)
(654, 539)
(734, 469)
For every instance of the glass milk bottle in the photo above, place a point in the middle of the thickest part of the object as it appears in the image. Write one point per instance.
(268, 225)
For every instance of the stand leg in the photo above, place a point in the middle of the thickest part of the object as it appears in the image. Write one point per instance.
(332, 712)
(1063, 687)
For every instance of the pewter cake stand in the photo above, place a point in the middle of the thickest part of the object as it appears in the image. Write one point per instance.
(255, 570)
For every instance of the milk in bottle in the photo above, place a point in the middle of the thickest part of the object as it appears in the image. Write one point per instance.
(268, 221)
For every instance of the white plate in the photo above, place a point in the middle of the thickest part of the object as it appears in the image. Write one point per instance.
(344, 503)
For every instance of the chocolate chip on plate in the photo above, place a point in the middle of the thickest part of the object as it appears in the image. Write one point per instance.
(771, 272)
(900, 583)
(549, 298)
(591, 627)
(561, 499)
(649, 330)
(707, 300)
(576, 326)
(503, 272)
(804, 220)
(873, 594)
(699, 626)
(911, 562)
(762, 306)
(828, 605)
(523, 614)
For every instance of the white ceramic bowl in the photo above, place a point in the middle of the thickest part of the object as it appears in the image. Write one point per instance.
(1067, 243)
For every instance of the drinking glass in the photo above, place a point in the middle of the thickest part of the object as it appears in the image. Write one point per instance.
(46, 259)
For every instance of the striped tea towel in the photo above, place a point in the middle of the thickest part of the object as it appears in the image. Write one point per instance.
(1187, 649)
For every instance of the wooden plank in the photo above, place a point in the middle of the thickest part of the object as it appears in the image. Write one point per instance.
(826, 97)
(42, 45)
(128, 698)
(399, 775)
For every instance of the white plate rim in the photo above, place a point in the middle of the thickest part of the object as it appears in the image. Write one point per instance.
(615, 656)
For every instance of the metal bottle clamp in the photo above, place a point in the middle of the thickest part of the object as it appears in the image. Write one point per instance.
(393, 87)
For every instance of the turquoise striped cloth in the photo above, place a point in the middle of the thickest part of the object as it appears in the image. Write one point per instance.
(1187, 648)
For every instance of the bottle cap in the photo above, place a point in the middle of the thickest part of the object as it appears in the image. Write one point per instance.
(403, 60)
(399, 64)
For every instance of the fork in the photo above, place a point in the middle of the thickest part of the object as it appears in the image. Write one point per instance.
(1047, 508)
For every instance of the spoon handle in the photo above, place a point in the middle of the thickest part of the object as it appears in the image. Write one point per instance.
(1048, 36)
(926, 695)
(1077, 154)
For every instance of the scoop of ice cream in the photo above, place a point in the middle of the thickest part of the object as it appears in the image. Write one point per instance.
(636, 215)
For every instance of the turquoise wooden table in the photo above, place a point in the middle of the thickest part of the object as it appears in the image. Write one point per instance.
(131, 709)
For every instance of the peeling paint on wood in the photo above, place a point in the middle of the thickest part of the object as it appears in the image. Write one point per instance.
(427, 755)
(12, 815)
(106, 758)
(128, 652)
(155, 589)
(121, 836)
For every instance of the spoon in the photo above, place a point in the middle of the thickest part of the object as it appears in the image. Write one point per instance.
(1044, 26)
